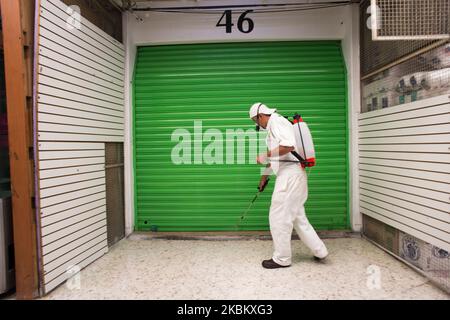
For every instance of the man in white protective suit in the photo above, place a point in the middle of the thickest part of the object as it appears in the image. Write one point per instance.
(290, 192)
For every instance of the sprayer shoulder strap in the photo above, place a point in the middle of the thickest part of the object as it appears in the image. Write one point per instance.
(295, 154)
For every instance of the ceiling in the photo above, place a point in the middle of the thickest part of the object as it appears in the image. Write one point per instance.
(142, 4)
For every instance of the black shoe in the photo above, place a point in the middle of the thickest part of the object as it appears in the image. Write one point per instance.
(320, 259)
(270, 264)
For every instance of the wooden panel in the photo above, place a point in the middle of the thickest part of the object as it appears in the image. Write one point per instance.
(18, 53)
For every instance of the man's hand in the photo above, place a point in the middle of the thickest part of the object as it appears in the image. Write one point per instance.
(263, 183)
(262, 158)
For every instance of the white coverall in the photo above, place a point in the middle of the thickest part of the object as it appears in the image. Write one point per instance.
(287, 209)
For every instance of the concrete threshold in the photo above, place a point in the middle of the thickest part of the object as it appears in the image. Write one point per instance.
(231, 235)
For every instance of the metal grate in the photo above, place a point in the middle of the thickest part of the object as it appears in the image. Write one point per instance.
(423, 76)
(432, 260)
(410, 19)
(401, 71)
(115, 206)
(376, 54)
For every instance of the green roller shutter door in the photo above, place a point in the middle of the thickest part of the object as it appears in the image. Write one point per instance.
(175, 85)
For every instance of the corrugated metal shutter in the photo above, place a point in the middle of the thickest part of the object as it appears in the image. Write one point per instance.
(216, 83)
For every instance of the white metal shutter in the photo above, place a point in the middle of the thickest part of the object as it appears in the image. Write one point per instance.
(80, 98)
(404, 168)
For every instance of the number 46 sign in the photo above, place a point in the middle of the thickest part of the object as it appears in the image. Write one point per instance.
(229, 23)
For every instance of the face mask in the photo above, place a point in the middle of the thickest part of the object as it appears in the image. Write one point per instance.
(257, 117)
(258, 128)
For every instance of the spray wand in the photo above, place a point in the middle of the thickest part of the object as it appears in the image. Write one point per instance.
(251, 203)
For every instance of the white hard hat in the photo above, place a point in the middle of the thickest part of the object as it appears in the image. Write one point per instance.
(259, 108)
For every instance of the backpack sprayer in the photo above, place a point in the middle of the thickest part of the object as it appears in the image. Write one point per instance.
(304, 152)
(304, 149)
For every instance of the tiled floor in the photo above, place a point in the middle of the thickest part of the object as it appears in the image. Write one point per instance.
(195, 269)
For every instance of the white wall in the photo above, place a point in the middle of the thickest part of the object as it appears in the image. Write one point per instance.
(350, 48)
(156, 28)
(130, 56)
